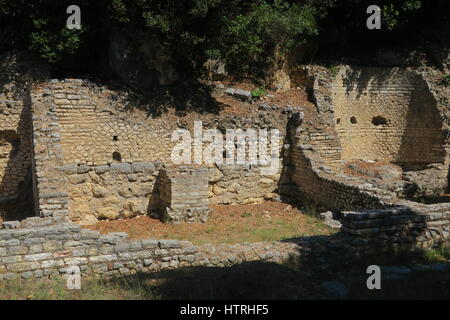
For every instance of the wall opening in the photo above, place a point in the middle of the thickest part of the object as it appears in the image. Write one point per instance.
(117, 157)
(448, 181)
(115, 138)
(379, 121)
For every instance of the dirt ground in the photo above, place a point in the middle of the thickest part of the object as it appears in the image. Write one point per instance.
(267, 221)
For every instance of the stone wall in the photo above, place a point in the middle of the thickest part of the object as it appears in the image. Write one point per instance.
(79, 137)
(43, 249)
(387, 114)
(15, 152)
(50, 188)
(315, 160)
(47, 247)
(320, 184)
(109, 192)
(94, 128)
(183, 194)
(421, 226)
(126, 190)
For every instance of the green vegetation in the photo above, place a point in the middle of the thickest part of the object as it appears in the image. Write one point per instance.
(446, 80)
(334, 69)
(242, 33)
(91, 289)
(259, 92)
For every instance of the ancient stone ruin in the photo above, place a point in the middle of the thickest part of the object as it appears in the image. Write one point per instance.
(374, 151)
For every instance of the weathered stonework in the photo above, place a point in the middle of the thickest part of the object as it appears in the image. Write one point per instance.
(183, 194)
(46, 247)
(89, 146)
(90, 162)
(325, 182)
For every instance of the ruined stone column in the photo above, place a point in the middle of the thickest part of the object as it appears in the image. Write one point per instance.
(184, 194)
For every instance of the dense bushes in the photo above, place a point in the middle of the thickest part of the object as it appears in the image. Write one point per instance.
(243, 33)
(247, 40)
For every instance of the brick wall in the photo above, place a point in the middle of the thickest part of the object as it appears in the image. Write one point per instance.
(387, 114)
(79, 137)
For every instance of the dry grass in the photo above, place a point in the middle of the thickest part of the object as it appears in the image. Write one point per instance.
(268, 221)
(91, 289)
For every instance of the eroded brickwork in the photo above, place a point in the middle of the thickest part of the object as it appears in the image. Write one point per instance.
(78, 131)
(418, 100)
(387, 114)
(183, 194)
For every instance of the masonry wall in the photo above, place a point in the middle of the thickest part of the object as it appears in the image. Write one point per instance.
(424, 226)
(43, 249)
(49, 183)
(417, 138)
(320, 184)
(80, 137)
(15, 152)
(126, 190)
(387, 114)
(47, 247)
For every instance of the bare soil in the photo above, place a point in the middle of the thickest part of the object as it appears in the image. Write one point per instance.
(267, 221)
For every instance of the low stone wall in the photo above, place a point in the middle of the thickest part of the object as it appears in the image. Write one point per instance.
(47, 247)
(320, 184)
(41, 250)
(423, 227)
(126, 190)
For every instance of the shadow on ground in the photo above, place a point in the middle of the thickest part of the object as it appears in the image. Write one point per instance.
(253, 280)
(402, 277)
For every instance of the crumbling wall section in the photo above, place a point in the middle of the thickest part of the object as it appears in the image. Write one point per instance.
(15, 153)
(183, 194)
(387, 114)
(50, 183)
(89, 137)
(49, 247)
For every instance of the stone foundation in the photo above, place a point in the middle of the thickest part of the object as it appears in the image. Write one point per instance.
(47, 247)
(79, 138)
(183, 194)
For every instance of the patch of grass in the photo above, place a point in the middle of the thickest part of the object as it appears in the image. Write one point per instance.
(446, 80)
(334, 69)
(437, 254)
(269, 221)
(129, 288)
(246, 215)
(259, 92)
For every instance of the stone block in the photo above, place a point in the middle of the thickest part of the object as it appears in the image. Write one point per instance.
(143, 167)
(120, 168)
